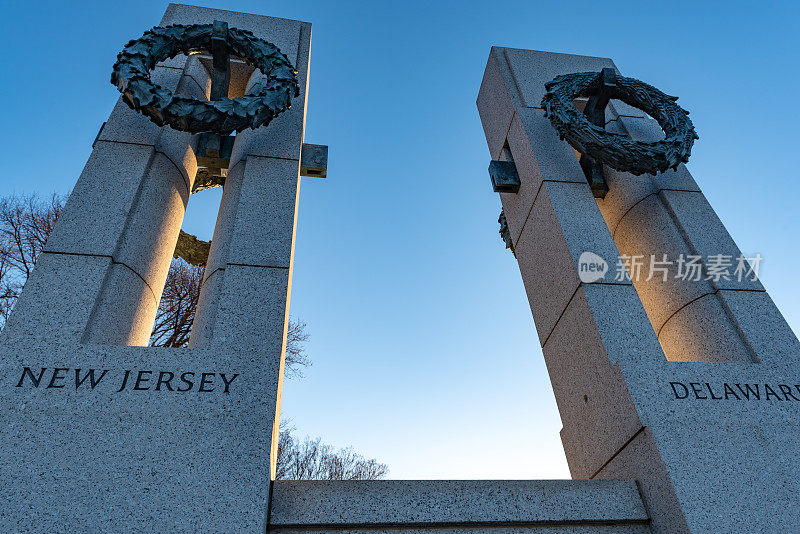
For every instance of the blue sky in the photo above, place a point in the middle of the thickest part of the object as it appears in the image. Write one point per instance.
(425, 354)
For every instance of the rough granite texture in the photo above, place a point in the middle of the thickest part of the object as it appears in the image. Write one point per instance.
(185, 445)
(706, 436)
(458, 506)
(94, 460)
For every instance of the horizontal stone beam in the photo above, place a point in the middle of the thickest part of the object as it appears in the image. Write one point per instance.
(411, 505)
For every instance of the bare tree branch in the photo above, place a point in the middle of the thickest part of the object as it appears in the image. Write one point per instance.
(175, 314)
(25, 225)
(296, 358)
(311, 459)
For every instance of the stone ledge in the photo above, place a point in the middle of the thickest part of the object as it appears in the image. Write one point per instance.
(445, 504)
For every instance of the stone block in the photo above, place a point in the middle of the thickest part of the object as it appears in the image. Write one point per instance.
(205, 316)
(603, 327)
(535, 162)
(153, 224)
(624, 191)
(648, 231)
(554, 157)
(618, 108)
(224, 226)
(425, 504)
(94, 216)
(580, 222)
(255, 227)
(702, 331)
(178, 147)
(263, 232)
(763, 326)
(707, 235)
(128, 126)
(178, 62)
(252, 312)
(125, 310)
(517, 206)
(641, 459)
(125, 125)
(195, 79)
(533, 68)
(78, 459)
(587, 528)
(757, 469)
(283, 136)
(190, 88)
(644, 129)
(679, 179)
(57, 300)
(564, 223)
(620, 319)
(283, 33)
(495, 105)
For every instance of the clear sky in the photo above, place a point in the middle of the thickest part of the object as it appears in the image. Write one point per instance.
(425, 354)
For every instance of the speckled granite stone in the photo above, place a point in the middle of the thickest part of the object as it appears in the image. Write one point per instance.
(100, 436)
(708, 435)
(589, 506)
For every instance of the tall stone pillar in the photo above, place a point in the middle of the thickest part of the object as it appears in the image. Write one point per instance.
(690, 387)
(101, 434)
(102, 271)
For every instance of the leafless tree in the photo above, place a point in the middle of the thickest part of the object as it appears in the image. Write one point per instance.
(310, 459)
(176, 309)
(296, 358)
(25, 224)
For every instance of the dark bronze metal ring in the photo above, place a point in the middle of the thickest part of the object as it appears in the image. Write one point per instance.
(131, 75)
(615, 150)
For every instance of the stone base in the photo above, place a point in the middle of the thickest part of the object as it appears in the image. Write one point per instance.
(176, 447)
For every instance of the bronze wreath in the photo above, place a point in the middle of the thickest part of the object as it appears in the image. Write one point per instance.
(615, 150)
(131, 75)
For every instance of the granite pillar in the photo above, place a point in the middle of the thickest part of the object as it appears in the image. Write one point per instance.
(101, 435)
(687, 386)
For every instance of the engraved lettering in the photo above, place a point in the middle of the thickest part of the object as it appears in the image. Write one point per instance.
(141, 380)
(227, 382)
(166, 382)
(36, 379)
(90, 375)
(190, 383)
(674, 390)
(58, 376)
(697, 387)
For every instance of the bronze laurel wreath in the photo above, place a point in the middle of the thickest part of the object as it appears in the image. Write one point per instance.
(615, 150)
(131, 75)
